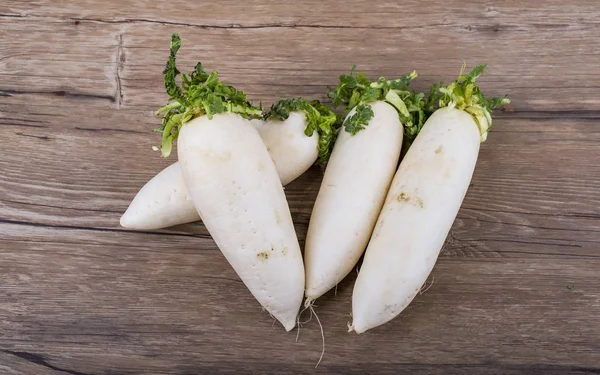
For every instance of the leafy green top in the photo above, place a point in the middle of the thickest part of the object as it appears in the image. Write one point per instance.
(358, 91)
(200, 94)
(319, 118)
(464, 94)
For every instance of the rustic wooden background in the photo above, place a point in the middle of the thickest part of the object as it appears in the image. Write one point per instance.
(516, 290)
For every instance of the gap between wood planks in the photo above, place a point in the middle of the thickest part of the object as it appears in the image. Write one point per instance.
(123, 230)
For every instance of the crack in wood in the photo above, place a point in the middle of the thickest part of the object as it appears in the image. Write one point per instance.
(97, 229)
(521, 242)
(23, 125)
(28, 120)
(548, 114)
(119, 62)
(231, 26)
(12, 15)
(565, 215)
(526, 225)
(68, 94)
(467, 249)
(59, 207)
(42, 137)
(10, 57)
(40, 360)
(110, 130)
(237, 26)
(407, 367)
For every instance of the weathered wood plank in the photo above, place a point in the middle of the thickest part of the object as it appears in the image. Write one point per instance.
(350, 14)
(78, 84)
(261, 61)
(66, 66)
(119, 297)
(318, 57)
(508, 181)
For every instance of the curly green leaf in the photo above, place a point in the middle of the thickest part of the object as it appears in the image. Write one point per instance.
(358, 92)
(199, 94)
(361, 117)
(464, 94)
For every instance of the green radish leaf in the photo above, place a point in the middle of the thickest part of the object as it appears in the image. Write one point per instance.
(394, 99)
(199, 94)
(357, 91)
(475, 73)
(319, 118)
(370, 95)
(361, 117)
(464, 94)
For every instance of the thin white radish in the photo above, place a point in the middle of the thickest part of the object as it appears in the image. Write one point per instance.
(422, 203)
(356, 180)
(234, 185)
(296, 134)
(163, 202)
(358, 175)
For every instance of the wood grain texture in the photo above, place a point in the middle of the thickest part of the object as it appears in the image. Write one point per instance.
(79, 295)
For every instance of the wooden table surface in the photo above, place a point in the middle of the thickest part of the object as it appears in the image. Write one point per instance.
(516, 288)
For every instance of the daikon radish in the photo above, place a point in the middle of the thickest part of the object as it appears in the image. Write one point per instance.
(422, 203)
(234, 185)
(358, 175)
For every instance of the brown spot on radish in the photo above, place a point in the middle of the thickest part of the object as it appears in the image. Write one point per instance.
(262, 256)
(403, 197)
(439, 149)
(419, 202)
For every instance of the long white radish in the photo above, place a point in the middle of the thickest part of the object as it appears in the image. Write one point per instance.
(164, 201)
(358, 175)
(356, 180)
(234, 184)
(422, 203)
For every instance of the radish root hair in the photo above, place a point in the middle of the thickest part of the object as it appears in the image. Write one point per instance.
(309, 319)
(350, 327)
(322, 335)
(299, 323)
(428, 286)
(309, 304)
